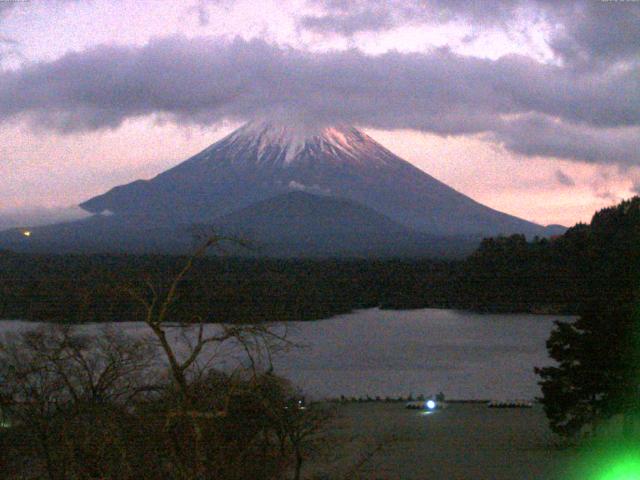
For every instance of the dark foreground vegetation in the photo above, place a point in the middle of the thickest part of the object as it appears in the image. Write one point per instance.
(77, 288)
(597, 375)
(80, 406)
(110, 406)
(505, 274)
(104, 405)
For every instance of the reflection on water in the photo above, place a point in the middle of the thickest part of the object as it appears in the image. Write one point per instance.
(390, 353)
(465, 355)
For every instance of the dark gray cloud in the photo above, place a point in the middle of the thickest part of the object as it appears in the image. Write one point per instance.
(601, 185)
(564, 179)
(5, 7)
(584, 31)
(595, 31)
(203, 14)
(201, 8)
(9, 47)
(376, 19)
(531, 108)
(8, 41)
(541, 135)
(348, 17)
(608, 195)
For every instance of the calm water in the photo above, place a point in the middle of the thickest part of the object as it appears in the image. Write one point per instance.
(390, 352)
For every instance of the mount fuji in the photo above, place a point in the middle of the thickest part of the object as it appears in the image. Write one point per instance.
(330, 190)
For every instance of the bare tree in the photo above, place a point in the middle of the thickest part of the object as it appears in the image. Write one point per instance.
(106, 405)
(306, 429)
(256, 341)
(53, 374)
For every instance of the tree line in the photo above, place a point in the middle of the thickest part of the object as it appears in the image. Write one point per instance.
(592, 271)
(505, 274)
(597, 371)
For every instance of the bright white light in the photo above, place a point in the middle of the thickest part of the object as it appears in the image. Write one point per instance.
(431, 404)
(26, 233)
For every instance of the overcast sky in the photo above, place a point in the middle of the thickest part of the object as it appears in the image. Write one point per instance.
(531, 107)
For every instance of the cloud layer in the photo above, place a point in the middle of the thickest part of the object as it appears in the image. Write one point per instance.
(530, 107)
(581, 31)
(348, 17)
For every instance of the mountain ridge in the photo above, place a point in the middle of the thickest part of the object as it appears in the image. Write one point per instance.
(261, 160)
(295, 191)
(291, 225)
(295, 223)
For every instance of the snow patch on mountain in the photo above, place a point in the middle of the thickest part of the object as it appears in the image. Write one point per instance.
(301, 187)
(267, 138)
(267, 158)
(268, 142)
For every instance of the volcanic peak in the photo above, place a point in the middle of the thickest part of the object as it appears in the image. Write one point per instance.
(296, 141)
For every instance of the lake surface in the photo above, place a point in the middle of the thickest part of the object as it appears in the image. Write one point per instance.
(385, 352)
(393, 352)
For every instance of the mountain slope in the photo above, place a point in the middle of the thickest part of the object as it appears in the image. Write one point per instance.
(100, 234)
(262, 160)
(302, 224)
(294, 224)
(306, 215)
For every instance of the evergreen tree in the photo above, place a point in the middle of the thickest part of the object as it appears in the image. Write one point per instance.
(598, 355)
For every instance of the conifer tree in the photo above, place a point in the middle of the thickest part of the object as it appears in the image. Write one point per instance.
(597, 374)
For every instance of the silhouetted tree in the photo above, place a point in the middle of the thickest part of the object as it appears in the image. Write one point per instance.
(253, 339)
(66, 394)
(598, 355)
(100, 405)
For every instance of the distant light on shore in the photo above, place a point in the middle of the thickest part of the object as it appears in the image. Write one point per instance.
(27, 233)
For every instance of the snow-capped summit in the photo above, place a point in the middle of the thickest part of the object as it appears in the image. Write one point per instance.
(265, 159)
(265, 142)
